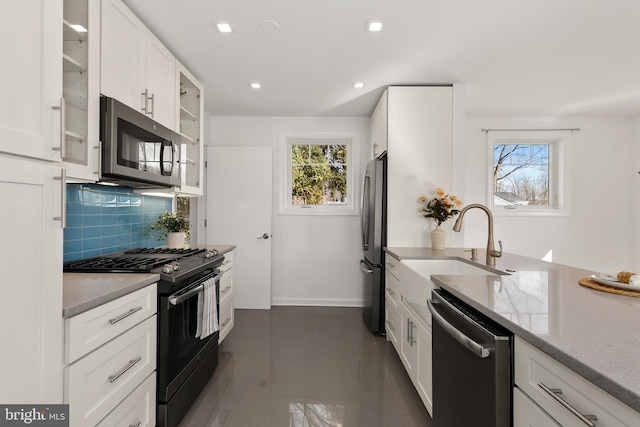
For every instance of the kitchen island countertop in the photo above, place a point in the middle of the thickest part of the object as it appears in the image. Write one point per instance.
(594, 333)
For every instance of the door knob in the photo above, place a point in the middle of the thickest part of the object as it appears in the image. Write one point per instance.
(265, 236)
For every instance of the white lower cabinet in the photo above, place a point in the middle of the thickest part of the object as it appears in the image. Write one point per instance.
(138, 410)
(226, 296)
(567, 398)
(527, 414)
(111, 380)
(424, 371)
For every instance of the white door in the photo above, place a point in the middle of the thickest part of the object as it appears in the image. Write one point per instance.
(238, 194)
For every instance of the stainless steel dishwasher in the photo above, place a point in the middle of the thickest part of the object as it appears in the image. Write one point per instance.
(472, 366)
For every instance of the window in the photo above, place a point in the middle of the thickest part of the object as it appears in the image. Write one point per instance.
(318, 178)
(527, 173)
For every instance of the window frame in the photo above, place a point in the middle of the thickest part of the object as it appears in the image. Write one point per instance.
(287, 140)
(559, 171)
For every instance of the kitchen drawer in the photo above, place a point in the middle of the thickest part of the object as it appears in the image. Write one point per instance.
(527, 413)
(534, 370)
(226, 287)
(227, 264)
(226, 319)
(138, 409)
(392, 290)
(97, 383)
(89, 330)
(392, 325)
(392, 265)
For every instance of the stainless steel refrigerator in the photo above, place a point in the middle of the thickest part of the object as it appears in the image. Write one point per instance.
(373, 215)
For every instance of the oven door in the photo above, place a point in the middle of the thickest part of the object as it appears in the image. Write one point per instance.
(179, 350)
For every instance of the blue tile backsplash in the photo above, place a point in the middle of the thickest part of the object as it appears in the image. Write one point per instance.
(102, 220)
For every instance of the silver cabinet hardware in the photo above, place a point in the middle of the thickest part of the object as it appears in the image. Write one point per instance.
(225, 290)
(471, 345)
(121, 372)
(63, 198)
(137, 424)
(151, 113)
(63, 128)
(145, 95)
(555, 392)
(125, 315)
(226, 322)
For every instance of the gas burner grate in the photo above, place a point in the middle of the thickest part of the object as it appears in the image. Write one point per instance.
(114, 264)
(163, 251)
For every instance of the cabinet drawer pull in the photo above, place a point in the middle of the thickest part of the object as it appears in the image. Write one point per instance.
(121, 372)
(125, 315)
(226, 322)
(227, 262)
(137, 424)
(554, 392)
(225, 290)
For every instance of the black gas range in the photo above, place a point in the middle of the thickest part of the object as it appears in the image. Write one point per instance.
(186, 358)
(173, 265)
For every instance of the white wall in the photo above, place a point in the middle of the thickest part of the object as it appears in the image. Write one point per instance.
(599, 233)
(315, 259)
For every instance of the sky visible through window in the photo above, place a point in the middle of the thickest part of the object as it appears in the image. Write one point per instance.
(521, 173)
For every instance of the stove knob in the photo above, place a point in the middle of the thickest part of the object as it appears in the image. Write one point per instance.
(176, 266)
(168, 269)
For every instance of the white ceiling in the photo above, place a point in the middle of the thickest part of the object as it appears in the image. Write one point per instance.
(516, 57)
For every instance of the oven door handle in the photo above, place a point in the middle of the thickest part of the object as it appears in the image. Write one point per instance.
(177, 298)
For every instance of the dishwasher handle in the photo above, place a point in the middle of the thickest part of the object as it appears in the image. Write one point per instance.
(467, 342)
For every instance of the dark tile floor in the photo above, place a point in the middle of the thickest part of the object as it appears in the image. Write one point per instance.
(306, 367)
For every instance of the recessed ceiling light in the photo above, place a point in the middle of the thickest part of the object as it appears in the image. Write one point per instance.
(358, 85)
(374, 26)
(255, 85)
(223, 27)
(78, 28)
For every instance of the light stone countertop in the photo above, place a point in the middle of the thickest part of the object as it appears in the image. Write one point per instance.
(596, 334)
(84, 291)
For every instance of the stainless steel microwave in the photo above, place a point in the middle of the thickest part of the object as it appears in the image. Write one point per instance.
(136, 150)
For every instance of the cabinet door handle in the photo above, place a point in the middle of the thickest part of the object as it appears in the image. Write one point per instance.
(151, 110)
(411, 340)
(554, 392)
(125, 315)
(225, 290)
(98, 159)
(137, 424)
(226, 322)
(408, 330)
(121, 372)
(63, 198)
(63, 128)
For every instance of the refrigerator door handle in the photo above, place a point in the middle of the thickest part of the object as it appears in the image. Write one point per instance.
(364, 268)
(364, 212)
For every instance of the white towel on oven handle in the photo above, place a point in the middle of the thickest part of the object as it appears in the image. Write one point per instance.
(207, 310)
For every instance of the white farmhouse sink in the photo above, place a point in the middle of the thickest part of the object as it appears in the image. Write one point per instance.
(427, 267)
(415, 275)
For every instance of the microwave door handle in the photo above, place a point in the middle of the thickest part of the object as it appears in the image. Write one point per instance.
(164, 172)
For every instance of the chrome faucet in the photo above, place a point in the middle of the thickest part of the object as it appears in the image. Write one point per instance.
(492, 254)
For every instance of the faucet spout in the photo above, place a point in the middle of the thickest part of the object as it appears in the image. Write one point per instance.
(492, 254)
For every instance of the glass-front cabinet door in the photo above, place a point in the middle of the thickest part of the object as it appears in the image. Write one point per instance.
(80, 106)
(190, 113)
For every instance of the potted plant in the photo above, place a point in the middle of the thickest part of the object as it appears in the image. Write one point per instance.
(440, 208)
(170, 226)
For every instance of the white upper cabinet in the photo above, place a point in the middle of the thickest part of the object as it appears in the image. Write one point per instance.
(136, 68)
(379, 126)
(160, 78)
(81, 89)
(31, 79)
(189, 114)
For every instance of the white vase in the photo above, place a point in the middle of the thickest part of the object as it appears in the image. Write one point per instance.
(438, 238)
(176, 240)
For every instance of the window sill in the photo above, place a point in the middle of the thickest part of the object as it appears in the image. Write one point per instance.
(530, 212)
(318, 211)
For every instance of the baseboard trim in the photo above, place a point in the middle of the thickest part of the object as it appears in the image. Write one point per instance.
(317, 302)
